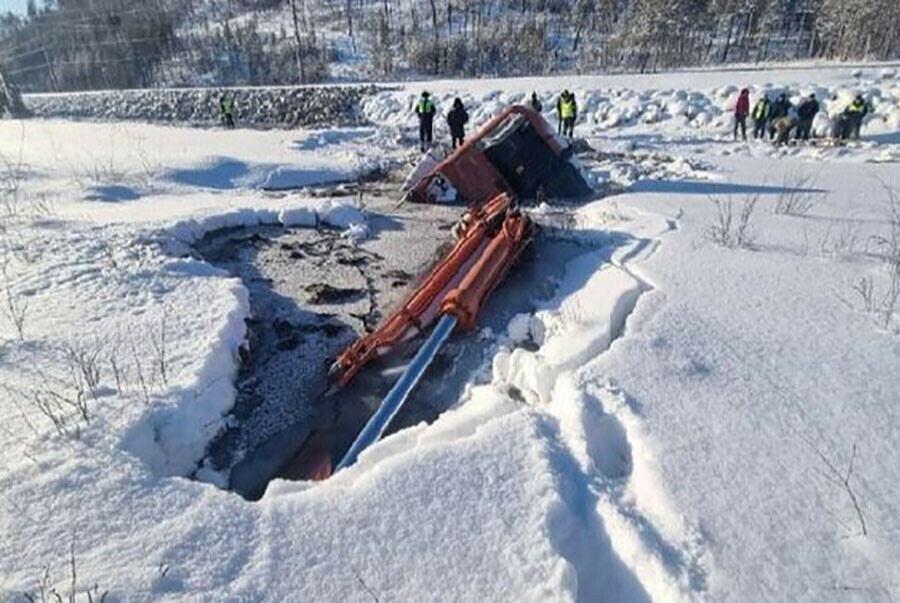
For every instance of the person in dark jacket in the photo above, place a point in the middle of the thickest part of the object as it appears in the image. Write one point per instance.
(535, 103)
(806, 112)
(780, 108)
(854, 114)
(760, 114)
(741, 111)
(457, 119)
(425, 110)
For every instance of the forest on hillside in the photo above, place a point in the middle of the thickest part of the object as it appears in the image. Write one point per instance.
(101, 44)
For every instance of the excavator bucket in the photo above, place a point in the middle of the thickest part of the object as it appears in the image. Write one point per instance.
(516, 152)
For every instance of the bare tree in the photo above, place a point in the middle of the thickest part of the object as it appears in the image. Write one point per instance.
(298, 54)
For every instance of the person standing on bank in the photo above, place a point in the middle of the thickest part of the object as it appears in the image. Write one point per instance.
(568, 112)
(761, 111)
(806, 112)
(226, 108)
(559, 110)
(741, 111)
(425, 110)
(457, 119)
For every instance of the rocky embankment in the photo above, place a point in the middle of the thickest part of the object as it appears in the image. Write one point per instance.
(262, 107)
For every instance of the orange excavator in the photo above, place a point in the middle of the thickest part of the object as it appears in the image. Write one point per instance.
(489, 239)
(515, 155)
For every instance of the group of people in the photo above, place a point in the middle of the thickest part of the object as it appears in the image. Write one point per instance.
(780, 118)
(458, 117)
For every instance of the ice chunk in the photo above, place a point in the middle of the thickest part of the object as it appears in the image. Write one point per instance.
(519, 328)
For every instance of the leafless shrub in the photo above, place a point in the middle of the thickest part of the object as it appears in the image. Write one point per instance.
(12, 395)
(865, 287)
(149, 168)
(887, 304)
(83, 363)
(139, 371)
(11, 176)
(721, 232)
(730, 229)
(884, 303)
(108, 253)
(890, 244)
(118, 370)
(48, 593)
(65, 401)
(132, 371)
(14, 305)
(796, 199)
(366, 587)
(158, 338)
(41, 206)
(56, 407)
(841, 479)
(840, 237)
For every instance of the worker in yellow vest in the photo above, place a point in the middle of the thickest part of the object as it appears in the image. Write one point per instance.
(568, 112)
(425, 111)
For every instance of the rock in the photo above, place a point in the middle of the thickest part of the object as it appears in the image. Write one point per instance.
(284, 107)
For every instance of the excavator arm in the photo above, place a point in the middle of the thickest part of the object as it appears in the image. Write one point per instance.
(489, 238)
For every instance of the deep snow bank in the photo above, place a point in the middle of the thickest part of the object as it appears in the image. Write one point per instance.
(283, 106)
(699, 108)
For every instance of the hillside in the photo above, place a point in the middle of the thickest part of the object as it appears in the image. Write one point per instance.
(102, 44)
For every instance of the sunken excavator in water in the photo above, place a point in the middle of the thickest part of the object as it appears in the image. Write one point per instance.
(515, 157)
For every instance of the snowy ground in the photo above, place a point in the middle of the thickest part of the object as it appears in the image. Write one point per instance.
(680, 420)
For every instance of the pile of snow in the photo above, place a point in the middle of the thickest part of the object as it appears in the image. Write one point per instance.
(297, 212)
(603, 109)
(623, 169)
(571, 329)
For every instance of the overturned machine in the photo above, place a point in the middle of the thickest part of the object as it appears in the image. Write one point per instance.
(516, 152)
(516, 156)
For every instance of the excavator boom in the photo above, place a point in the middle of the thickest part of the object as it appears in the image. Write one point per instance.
(476, 232)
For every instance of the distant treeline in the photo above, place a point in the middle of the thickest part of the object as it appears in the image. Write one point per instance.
(94, 44)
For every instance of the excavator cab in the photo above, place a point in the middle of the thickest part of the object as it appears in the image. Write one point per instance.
(516, 152)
